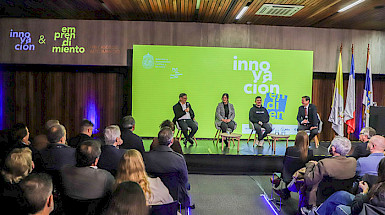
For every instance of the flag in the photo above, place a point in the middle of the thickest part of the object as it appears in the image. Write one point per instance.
(350, 106)
(336, 115)
(368, 91)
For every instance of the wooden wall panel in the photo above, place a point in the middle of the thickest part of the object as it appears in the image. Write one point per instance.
(107, 41)
(40, 96)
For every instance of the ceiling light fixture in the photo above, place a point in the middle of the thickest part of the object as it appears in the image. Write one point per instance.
(243, 11)
(350, 6)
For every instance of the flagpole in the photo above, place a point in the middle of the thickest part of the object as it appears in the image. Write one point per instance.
(354, 107)
(363, 106)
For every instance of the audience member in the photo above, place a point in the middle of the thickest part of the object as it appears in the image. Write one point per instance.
(131, 168)
(18, 165)
(362, 150)
(40, 142)
(37, 192)
(111, 154)
(85, 181)
(20, 138)
(127, 199)
(175, 143)
(337, 167)
(295, 158)
(163, 160)
(130, 140)
(51, 123)
(343, 202)
(368, 165)
(86, 128)
(57, 153)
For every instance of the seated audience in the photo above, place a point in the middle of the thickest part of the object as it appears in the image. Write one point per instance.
(85, 181)
(57, 153)
(40, 141)
(162, 160)
(131, 168)
(20, 139)
(343, 202)
(127, 199)
(295, 158)
(18, 165)
(368, 165)
(111, 154)
(337, 167)
(86, 128)
(37, 192)
(130, 140)
(362, 150)
(175, 143)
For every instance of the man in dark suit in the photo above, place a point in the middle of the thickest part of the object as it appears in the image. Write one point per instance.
(361, 149)
(130, 140)
(85, 181)
(111, 154)
(86, 128)
(162, 160)
(185, 117)
(57, 153)
(307, 117)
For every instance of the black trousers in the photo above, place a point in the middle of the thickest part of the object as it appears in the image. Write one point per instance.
(313, 132)
(258, 129)
(225, 126)
(184, 124)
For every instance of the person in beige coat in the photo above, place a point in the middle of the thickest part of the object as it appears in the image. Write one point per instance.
(336, 167)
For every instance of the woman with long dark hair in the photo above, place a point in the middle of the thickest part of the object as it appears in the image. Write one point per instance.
(224, 116)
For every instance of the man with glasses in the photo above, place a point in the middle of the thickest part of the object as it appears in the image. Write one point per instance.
(361, 149)
(185, 117)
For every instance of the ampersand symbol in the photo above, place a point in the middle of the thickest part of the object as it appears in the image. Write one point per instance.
(41, 39)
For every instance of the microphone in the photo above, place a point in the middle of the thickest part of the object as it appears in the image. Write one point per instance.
(187, 105)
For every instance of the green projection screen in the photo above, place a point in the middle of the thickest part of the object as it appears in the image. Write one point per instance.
(160, 73)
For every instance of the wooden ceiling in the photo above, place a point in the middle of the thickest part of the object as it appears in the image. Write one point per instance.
(369, 15)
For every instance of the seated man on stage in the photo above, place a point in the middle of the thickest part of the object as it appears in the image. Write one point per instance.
(185, 117)
(259, 116)
(307, 117)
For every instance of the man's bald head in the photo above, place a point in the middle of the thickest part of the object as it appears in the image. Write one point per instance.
(377, 144)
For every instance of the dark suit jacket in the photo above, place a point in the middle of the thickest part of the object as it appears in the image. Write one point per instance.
(178, 111)
(361, 150)
(55, 156)
(86, 182)
(312, 115)
(162, 159)
(75, 141)
(131, 141)
(110, 158)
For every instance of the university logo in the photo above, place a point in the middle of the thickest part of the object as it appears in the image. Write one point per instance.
(148, 61)
(276, 105)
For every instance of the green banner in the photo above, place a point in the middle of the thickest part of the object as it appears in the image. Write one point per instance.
(161, 73)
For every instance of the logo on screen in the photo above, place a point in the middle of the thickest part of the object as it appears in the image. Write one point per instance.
(276, 105)
(148, 61)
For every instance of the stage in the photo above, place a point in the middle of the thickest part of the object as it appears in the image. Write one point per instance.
(208, 158)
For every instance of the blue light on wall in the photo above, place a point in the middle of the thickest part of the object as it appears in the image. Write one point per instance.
(92, 113)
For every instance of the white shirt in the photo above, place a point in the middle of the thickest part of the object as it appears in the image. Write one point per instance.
(187, 115)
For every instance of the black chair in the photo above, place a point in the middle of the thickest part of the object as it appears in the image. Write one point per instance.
(290, 166)
(73, 206)
(166, 209)
(329, 185)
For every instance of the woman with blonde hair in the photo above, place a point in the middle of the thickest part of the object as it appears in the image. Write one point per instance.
(17, 166)
(131, 168)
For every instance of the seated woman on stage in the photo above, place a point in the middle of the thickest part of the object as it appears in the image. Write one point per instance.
(224, 115)
(295, 158)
